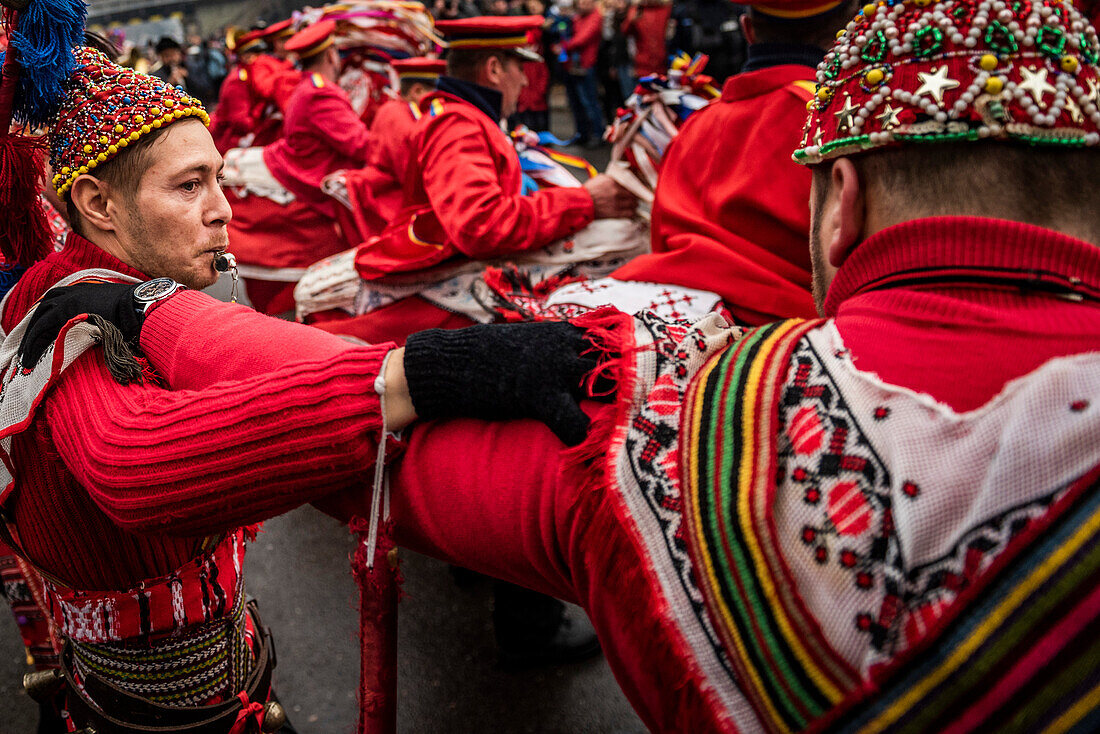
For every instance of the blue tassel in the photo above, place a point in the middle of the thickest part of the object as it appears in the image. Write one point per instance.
(48, 32)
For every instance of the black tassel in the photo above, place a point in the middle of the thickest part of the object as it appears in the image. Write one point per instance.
(120, 359)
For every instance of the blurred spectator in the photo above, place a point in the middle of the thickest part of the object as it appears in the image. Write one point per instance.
(580, 81)
(534, 108)
(206, 68)
(616, 69)
(710, 27)
(170, 66)
(451, 9)
(647, 23)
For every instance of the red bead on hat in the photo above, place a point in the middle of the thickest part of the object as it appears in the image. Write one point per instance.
(504, 32)
(108, 107)
(313, 39)
(419, 67)
(925, 71)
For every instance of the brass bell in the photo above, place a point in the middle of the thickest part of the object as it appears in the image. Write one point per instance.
(274, 716)
(42, 685)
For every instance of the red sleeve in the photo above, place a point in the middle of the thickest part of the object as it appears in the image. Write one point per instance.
(487, 496)
(588, 32)
(193, 462)
(479, 216)
(336, 122)
(234, 107)
(230, 341)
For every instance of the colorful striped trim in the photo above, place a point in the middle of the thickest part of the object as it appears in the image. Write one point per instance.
(416, 113)
(416, 240)
(317, 80)
(572, 161)
(305, 54)
(1020, 651)
(787, 669)
(436, 107)
(502, 42)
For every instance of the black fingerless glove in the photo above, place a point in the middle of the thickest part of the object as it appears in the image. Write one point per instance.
(498, 372)
(114, 302)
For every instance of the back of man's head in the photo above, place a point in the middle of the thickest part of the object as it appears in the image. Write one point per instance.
(469, 64)
(1051, 188)
(812, 30)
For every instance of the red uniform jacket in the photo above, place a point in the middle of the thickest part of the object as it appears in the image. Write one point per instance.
(731, 213)
(232, 119)
(586, 38)
(375, 191)
(462, 196)
(648, 24)
(321, 134)
(116, 484)
(533, 97)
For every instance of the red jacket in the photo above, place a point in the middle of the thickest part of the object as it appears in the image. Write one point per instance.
(321, 134)
(730, 212)
(585, 42)
(533, 97)
(375, 191)
(232, 118)
(649, 25)
(462, 197)
(116, 484)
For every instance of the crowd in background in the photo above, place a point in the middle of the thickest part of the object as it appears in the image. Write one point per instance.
(595, 49)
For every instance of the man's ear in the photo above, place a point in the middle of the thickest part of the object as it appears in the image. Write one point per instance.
(748, 30)
(91, 197)
(850, 211)
(493, 71)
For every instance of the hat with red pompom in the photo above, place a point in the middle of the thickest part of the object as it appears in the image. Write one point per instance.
(107, 108)
(923, 71)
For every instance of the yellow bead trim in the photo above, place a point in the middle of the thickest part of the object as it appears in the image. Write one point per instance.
(64, 181)
(1069, 64)
(994, 85)
(988, 62)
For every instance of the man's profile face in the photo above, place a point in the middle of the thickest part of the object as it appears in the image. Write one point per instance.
(177, 220)
(513, 80)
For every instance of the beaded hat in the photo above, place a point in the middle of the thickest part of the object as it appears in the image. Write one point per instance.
(953, 70)
(106, 108)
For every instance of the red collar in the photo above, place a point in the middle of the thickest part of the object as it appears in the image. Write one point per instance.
(82, 254)
(953, 249)
(762, 81)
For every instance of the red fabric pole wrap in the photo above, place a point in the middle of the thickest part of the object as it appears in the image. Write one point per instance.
(379, 591)
(10, 78)
(24, 232)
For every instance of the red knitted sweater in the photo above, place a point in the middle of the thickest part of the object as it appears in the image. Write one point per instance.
(116, 484)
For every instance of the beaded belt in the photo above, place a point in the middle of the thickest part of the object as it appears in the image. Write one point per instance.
(205, 664)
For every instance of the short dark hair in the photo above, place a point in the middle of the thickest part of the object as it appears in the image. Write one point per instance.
(408, 84)
(122, 173)
(313, 61)
(989, 178)
(817, 30)
(167, 43)
(463, 63)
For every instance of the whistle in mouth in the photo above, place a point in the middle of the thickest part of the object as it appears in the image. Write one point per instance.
(224, 262)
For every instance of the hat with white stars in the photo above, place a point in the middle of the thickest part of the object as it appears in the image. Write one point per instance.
(921, 71)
